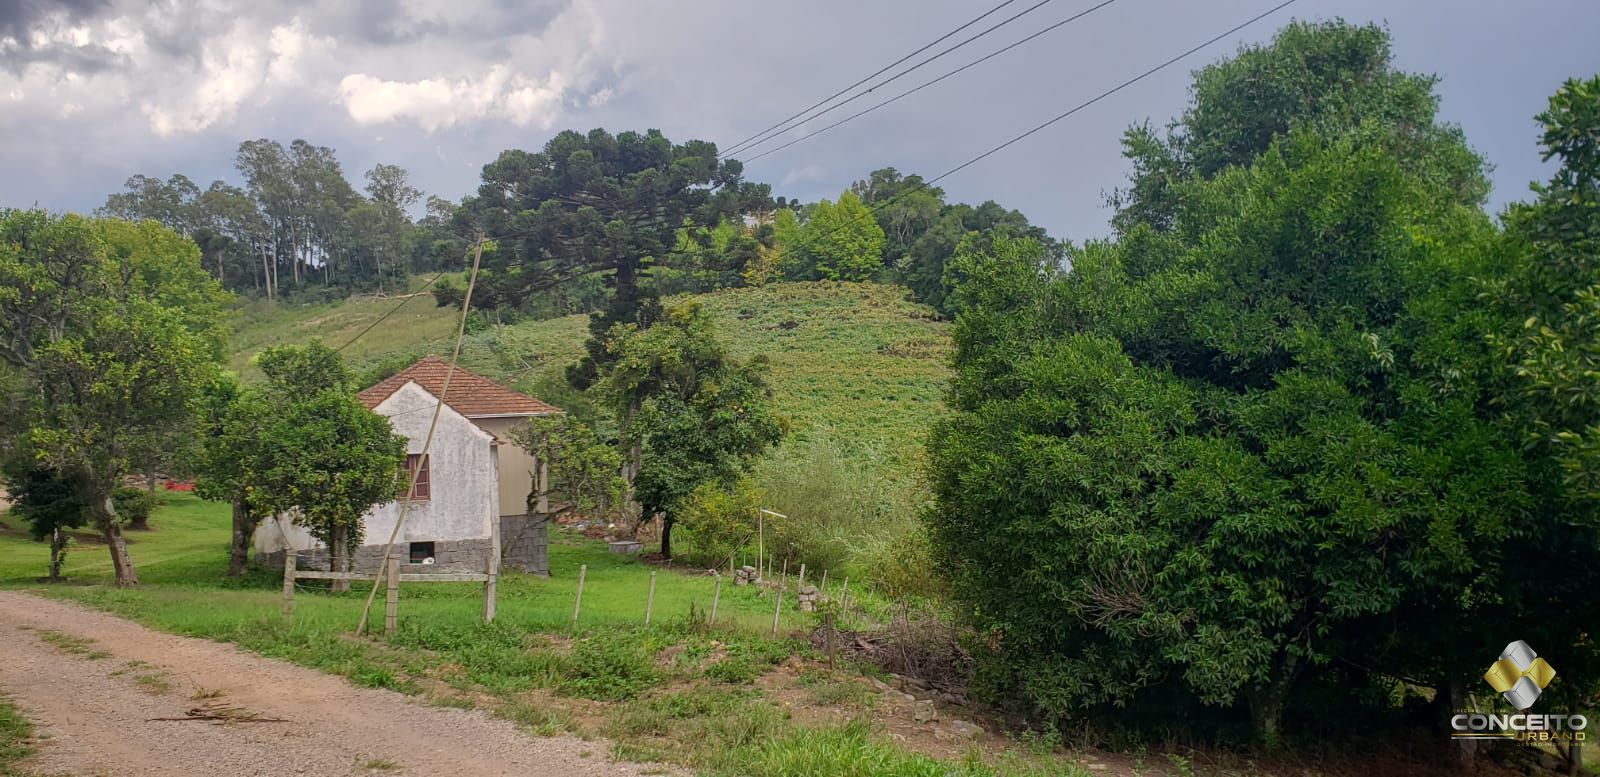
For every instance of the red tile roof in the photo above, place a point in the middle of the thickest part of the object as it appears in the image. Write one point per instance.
(470, 395)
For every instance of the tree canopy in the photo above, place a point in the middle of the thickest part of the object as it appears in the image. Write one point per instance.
(115, 329)
(599, 206)
(1257, 444)
(692, 412)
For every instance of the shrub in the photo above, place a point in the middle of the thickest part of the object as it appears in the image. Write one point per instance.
(609, 666)
(133, 506)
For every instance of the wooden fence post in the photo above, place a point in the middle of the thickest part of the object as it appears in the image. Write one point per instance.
(828, 618)
(577, 601)
(716, 593)
(823, 586)
(288, 582)
(650, 599)
(802, 583)
(844, 597)
(491, 585)
(489, 590)
(777, 606)
(391, 601)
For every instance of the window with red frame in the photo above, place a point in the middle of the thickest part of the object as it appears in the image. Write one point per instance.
(417, 464)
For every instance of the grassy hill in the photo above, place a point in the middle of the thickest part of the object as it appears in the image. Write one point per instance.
(857, 368)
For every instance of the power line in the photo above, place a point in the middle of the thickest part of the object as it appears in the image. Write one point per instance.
(1074, 109)
(390, 312)
(880, 72)
(785, 125)
(1113, 90)
(927, 84)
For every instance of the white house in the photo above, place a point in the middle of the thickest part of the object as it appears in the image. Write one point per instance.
(473, 474)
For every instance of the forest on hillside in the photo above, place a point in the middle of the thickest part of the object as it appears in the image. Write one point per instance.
(295, 225)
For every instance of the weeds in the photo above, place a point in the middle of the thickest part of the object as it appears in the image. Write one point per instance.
(67, 643)
(14, 733)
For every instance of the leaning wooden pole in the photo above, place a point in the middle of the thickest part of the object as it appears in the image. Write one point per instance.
(650, 599)
(427, 442)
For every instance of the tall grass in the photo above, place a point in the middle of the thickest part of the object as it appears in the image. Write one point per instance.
(846, 518)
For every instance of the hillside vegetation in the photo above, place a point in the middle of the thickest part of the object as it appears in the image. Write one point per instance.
(857, 368)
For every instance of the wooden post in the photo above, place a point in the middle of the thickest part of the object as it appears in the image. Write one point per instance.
(783, 580)
(650, 599)
(716, 593)
(391, 600)
(777, 606)
(844, 596)
(577, 601)
(492, 567)
(288, 582)
(761, 536)
(802, 583)
(828, 621)
(823, 586)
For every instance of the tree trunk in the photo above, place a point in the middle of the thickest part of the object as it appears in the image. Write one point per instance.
(339, 556)
(58, 551)
(666, 536)
(150, 480)
(1450, 697)
(1267, 702)
(105, 519)
(244, 529)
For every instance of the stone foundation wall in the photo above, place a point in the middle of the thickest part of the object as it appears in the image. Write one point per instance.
(524, 543)
(449, 556)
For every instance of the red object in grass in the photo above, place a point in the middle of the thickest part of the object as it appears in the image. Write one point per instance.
(174, 485)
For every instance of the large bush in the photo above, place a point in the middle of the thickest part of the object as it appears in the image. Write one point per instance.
(1260, 439)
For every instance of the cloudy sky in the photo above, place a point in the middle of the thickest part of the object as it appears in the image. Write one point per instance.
(92, 91)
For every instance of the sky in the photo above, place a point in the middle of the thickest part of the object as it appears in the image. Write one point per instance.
(94, 91)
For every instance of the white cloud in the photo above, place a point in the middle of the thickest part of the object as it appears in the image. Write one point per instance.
(435, 103)
(190, 66)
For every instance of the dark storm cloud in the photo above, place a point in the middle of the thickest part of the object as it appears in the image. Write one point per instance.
(19, 19)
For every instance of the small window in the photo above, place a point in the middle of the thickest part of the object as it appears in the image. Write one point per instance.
(417, 464)
(421, 552)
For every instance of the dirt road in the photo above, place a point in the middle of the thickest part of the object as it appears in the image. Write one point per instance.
(92, 682)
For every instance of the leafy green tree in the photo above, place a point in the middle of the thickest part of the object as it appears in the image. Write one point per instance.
(604, 206)
(1259, 439)
(50, 502)
(230, 424)
(921, 231)
(691, 413)
(115, 328)
(311, 451)
(579, 470)
(1557, 353)
(1333, 78)
(842, 241)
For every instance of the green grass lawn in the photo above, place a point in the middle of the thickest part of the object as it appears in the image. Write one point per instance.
(182, 563)
(678, 691)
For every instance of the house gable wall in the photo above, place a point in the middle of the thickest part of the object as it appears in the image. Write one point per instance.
(464, 490)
